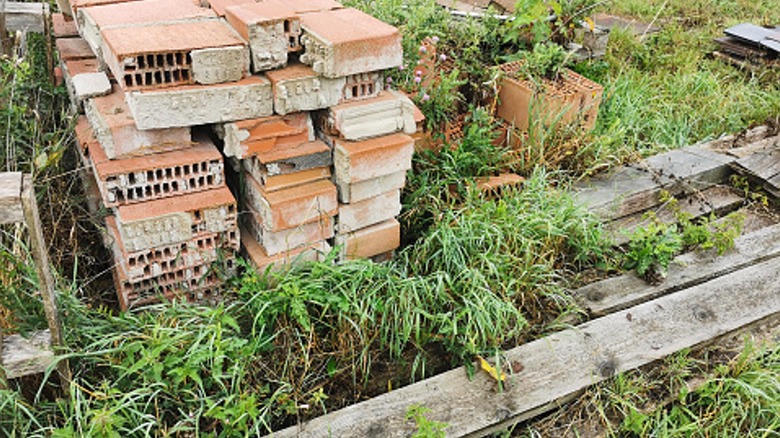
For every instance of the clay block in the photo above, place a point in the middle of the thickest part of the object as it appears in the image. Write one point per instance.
(388, 113)
(289, 208)
(168, 221)
(73, 48)
(85, 137)
(285, 260)
(173, 54)
(139, 179)
(307, 6)
(86, 85)
(220, 6)
(63, 27)
(78, 4)
(201, 105)
(272, 29)
(359, 191)
(345, 42)
(357, 215)
(357, 161)
(362, 86)
(276, 242)
(115, 128)
(94, 19)
(299, 88)
(73, 68)
(248, 138)
(279, 182)
(286, 161)
(371, 241)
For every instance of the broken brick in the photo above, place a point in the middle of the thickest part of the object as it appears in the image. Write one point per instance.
(272, 29)
(248, 138)
(272, 183)
(63, 27)
(74, 48)
(285, 161)
(289, 208)
(275, 242)
(362, 190)
(298, 88)
(388, 113)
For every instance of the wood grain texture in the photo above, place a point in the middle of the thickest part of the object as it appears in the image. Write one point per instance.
(11, 198)
(566, 362)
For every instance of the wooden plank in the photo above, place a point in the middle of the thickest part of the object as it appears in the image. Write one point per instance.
(26, 17)
(713, 200)
(11, 198)
(685, 271)
(566, 362)
(22, 357)
(763, 165)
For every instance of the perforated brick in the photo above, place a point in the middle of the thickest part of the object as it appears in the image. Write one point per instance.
(289, 208)
(73, 68)
(357, 161)
(388, 113)
(139, 179)
(272, 29)
(362, 86)
(359, 191)
(357, 215)
(175, 220)
(272, 183)
(286, 161)
(116, 130)
(370, 241)
(248, 138)
(285, 260)
(345, 42)
(276, 242)
(298, 88)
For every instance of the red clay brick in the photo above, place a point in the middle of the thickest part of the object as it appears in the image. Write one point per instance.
(496, 183)
(220, 6)
(74, 48)
(357, 215)
(279, 182)
(373, 158)
(63, 26)
(298, 88)
(78, 66)
(371, 241)
(275, 242)
(272, 29)
(288, 208)
(85, 136)
(149, 11)
(251, 137)
(285, 260)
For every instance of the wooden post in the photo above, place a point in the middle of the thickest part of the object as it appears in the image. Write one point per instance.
(5, 42)
(48, 294)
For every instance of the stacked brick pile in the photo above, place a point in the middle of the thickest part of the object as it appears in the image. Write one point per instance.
(290, 91)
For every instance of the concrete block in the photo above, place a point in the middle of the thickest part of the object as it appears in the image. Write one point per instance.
(175, 220)
(86, 85)
(272, 29)
(299, 88)
(286, 161)
(162, 54)
(284, 260)
(276, 242)
(116, 130)
(164, 175)
(370, 241)
(357, 161)
(289, 208)
(345, 42)
(201, 105)
(357, 215)
(248, 138)
(360, 191)
(388, 113)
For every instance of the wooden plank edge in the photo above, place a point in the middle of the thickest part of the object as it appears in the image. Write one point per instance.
(23, 357)
(564, 363)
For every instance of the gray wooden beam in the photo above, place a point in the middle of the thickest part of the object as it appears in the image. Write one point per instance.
(25, 17)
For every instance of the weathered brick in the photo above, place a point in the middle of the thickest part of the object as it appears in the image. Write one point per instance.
(115, 129)
(86, 85)
(63, 26)
(139, 179)
(285, 260)
(357, 215)
(299, 88)
(279, 182)
(85, 136)
(359, 191)
(388, 113)
(370, 241)
(307, 6)
(78, 4)
(289, 208)
(168, 221)
(285, 161)
(220, 6)
(362, 86)
(74, 68)
(175, 54)
(272, 29)
(357, 161)
(248, 138)
(276, 242)
(201, 105)
(345, 42)
(74, 48)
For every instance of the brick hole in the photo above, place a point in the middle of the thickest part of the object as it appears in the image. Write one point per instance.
(201, 181)
(197, 270)
(149, 176)
(132, 261)
(174, 186)
(286, 26)
(186, 169)
(210, 179)
(169, 59)
(204, 166)
(355, 91)
(147, 270)
(179, 58)
(148, 79)
(371, 88)
(160, 60)
(129, 80)
(131, 178)
(167, 252)
(177, 171)
(192, 182)
(148, 191)
(120, 196)
(167, 77)
(158, 77)
(166, 188)
(183, 247)
(185, 74)
(141, 61)
(231, 209)
(150, 61)
(176, 76)
(139, 192)
(188, 59)
(293, 42)
(156, 189)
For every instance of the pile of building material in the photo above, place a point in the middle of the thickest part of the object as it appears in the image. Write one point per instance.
(750, 43)
(291, 93)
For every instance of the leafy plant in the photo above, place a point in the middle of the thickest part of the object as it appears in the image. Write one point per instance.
(425, 428)
(546, 61)
(652, 248)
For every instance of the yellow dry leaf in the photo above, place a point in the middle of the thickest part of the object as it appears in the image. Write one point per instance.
(490, 369)
(591, 23)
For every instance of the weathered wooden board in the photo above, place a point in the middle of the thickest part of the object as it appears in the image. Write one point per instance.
(566, 362)
(11, 198)
(26, 17)
(22, 357)
(713, 200)
(685, 271)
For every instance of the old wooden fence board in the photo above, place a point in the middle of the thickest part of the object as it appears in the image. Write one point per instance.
(566, 362)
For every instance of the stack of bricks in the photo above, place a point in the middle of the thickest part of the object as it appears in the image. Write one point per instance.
(289, 91)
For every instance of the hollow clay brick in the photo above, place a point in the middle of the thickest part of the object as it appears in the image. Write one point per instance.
(220, 6)
(73, 48)
(285, 260)
(272, 29)
(78, 4)
(307, 6)
(362, 86)
(357, 215)
(177, 53)
(388, 113)
(276, 242)
(370, 241)
(85, 136)
(359, 191)
(357, 161)
(289, 208)
(248, 138)
(63, 27)
(285, 161)
(279, 182)
(345, 42)
(74, 68)
(201, 105)
(298, 88)
(115, 129)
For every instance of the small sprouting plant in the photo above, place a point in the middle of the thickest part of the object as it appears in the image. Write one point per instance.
(425, 428)
(546, 61)
(652, 248)
(439, 100)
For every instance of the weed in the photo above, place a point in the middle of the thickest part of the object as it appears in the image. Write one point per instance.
(425, 427)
